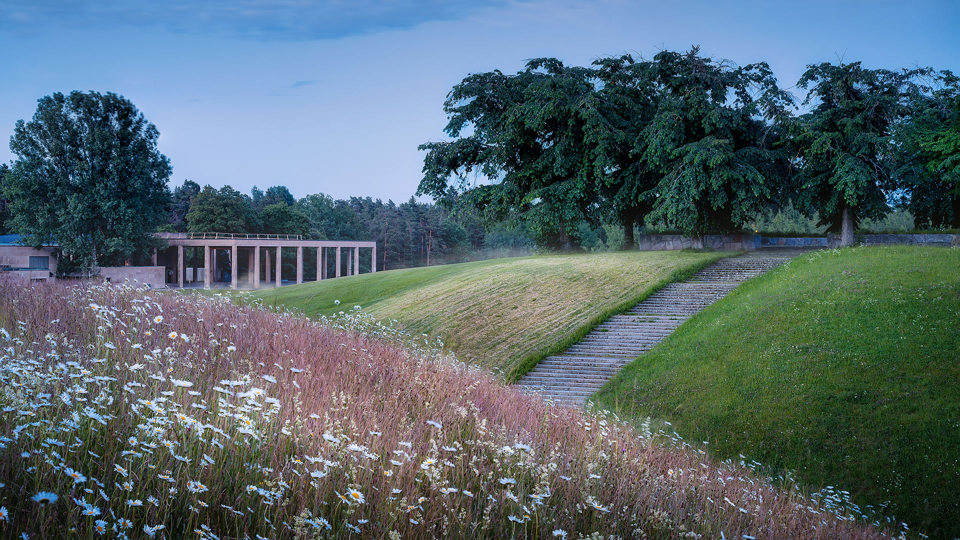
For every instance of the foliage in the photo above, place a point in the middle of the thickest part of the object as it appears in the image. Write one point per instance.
(528, 132)
(786, 220)
(683, 139)
(840, 366)
(895, 221)
(845, 140)
(927, 154)
(280, 218)
(4, 204)
(273, 195)
(711, 140)
(223, 210)
(88, 175)
(180, 205)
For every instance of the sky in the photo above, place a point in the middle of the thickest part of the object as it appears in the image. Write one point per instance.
(335, 96)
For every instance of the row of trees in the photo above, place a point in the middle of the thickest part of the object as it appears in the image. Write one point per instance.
(565, 155)
(407, 234)
(689, 143)
(90, 178)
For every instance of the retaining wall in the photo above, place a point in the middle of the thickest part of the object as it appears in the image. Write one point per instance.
(749, 242)
(140, 275)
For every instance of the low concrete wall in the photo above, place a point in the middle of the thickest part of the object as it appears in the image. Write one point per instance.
(749, 242)
(18, 257)
(138, 275)
(797, 242)
(926, 239)
(732, 242)
(27, 275)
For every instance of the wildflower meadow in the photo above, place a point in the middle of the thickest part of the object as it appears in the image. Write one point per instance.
(127, 413)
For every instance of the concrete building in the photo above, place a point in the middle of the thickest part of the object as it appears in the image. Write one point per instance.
(25, 262)
(255, 260)
(210, 260)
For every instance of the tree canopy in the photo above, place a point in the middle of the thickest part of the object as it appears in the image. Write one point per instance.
(927, 154)
(88, 176)
(224, 210)
(682, 140)
(694, 144)
(845, 140)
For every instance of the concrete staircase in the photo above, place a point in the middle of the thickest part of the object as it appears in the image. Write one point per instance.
(572, 376)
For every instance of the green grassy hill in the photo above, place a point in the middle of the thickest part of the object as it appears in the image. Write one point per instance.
(504, 314)
(843, 366)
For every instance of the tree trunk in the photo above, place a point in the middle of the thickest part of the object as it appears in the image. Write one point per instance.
(627, 222)
(846, 227)
(429, 242)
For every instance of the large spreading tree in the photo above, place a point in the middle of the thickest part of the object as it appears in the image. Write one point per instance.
(88, 176)
(526, 133)
(681, 140)
(712, 141)
(845, 140)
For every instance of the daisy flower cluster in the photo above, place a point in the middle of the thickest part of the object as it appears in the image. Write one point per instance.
(126, 413)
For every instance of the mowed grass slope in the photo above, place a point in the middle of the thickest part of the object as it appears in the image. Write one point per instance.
(843, 366)
(503, 314)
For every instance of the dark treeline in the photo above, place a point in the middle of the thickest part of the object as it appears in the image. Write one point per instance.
(407, 234)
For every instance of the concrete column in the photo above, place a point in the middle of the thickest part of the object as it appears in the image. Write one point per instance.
(299, 265)
(373, 260)
(279, 268)
(337, 273)
(356, 261)
(267, 267)
(319, 263)
(256, 267)
(180, 269)
(233, 267)
(155, 258)
(206, 267)
(250, 267)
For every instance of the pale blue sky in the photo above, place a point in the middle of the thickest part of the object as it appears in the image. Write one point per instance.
(335, 96)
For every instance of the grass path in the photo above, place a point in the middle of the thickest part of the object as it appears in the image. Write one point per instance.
(503, 314)
(842, 365)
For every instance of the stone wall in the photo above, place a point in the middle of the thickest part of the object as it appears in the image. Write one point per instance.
(927, 239)
(18, 257)
(154, 276)
(727, 242)
(749, 242)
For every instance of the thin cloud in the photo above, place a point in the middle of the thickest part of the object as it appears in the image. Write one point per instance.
(300, 84)
(249, 19)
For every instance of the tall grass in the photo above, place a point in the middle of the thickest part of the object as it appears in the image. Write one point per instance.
(174, 415)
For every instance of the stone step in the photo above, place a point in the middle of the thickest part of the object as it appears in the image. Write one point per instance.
(571, 377)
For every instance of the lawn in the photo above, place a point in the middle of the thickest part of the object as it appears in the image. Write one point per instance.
(503, 314)
(843, 366)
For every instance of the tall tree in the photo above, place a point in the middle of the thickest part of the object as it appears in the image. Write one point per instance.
(845, 139)
(273, 195)
(180, 204)
(711, 140)
(4, 203)
(89, 176)
(927, 152)
(225, 210)
(526, 134)
(279, 218)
